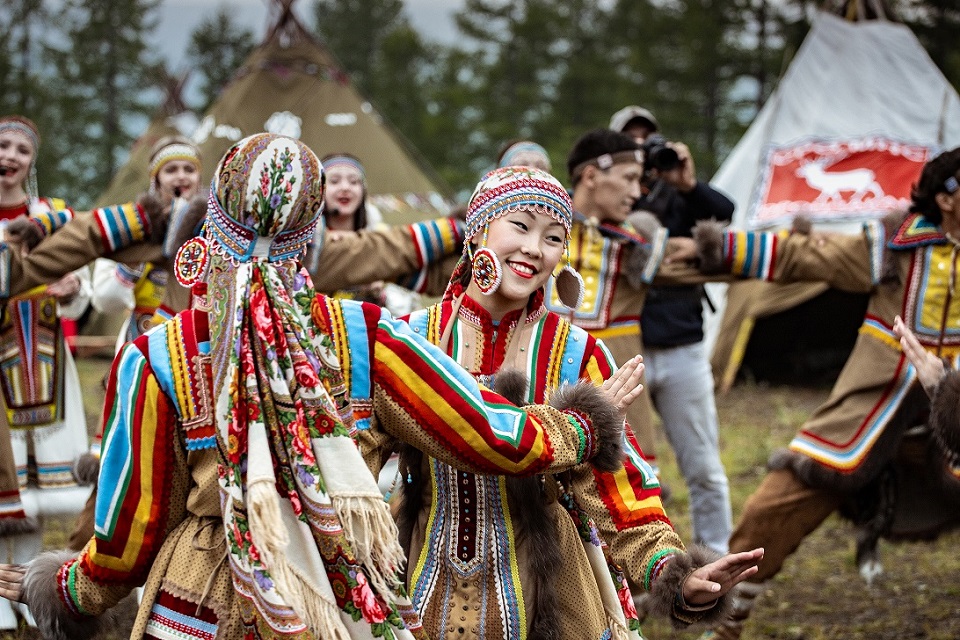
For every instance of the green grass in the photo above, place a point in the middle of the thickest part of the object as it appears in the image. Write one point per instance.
(819, 595)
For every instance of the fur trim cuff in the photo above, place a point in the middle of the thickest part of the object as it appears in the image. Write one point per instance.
(802, 224)
(606, 421)
(40, 593)
(944, 412)
(155, 215)
(512, 385)
(647, 225)
(708, 234)
(25, 231)
(18, 526)
(665, 597)
(187, 227)
(86, 469)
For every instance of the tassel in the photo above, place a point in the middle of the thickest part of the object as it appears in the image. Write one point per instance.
(374, 539)
(617, 629)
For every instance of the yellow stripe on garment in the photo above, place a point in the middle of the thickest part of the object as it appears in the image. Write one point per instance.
(630, 329)
(148, 437)
(430, 396)
(629, 497)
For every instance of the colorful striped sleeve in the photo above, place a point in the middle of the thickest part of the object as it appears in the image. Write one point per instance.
(421, 396)
(141, 489)
(846, 261)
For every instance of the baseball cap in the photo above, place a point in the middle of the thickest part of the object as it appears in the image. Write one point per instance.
(623, 117)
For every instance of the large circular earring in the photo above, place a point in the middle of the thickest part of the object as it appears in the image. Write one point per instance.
(486, 269)
(569, 284)
(192, 262)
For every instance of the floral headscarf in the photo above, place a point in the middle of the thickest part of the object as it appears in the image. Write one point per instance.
(307, 529)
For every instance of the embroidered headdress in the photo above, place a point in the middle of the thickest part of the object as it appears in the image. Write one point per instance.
(26, 127)
(509, 190)
(307, 528)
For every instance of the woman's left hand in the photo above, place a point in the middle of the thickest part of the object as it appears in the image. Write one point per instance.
(711, 581)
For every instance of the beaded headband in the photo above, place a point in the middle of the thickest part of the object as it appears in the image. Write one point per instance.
(509, 189)
(242, 243)
(524, 149)
(22, 127)
(607, 160)
(172, 152)
(345, 161)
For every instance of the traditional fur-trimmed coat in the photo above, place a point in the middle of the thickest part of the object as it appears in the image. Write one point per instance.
(555, 556)
(873, 420)
(158, 515)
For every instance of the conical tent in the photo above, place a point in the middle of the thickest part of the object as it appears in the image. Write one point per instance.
(292, 85)
(173, 117)
(861, 108)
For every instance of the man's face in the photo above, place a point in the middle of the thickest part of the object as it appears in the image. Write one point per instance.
(638, 130)
(614, 191)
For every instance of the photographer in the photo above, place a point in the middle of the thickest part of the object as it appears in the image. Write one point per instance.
(679, 379)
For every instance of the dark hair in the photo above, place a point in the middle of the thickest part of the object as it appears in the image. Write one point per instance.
(594, 144)
(932, 181)
(360, 215)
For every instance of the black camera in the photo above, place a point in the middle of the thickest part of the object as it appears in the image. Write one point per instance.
(657, 155)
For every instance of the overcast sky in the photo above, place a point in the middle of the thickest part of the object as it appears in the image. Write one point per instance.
(432, 18)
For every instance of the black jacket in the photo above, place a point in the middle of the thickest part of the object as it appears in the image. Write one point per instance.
(673, 316)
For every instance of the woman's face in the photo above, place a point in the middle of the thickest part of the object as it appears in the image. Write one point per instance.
(16, 156)
(178, 178)
(529, 247)
(344, 190)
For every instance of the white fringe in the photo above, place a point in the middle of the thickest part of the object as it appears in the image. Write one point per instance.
(374, 539)
(270, 536)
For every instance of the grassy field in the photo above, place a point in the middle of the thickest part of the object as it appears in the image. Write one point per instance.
(819, 595)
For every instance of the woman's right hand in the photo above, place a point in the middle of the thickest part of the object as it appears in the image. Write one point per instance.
(11, 581)
(623, 387)
(929, 367)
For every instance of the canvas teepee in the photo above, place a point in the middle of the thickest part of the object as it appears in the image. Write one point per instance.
(171, 118)
(292, 85)
(859, 111)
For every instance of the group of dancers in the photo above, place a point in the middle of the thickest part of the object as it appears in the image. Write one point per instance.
(260, 388)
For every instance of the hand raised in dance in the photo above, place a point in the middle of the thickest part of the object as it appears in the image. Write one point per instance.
(929, 367)
(623, 387)
(11, 581)
(711, 581)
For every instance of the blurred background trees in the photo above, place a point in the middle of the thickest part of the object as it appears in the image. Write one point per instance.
(543, 69)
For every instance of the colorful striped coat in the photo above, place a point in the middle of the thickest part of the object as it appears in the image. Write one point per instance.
(158, 515)
(477, 545)
(877, 398)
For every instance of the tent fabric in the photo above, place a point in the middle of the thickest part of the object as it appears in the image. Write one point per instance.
(292, 85)
(849, 82)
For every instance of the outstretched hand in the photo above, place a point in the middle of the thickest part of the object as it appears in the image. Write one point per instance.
(11, 581)
(623, 387)
(711, 581)
(929, 367)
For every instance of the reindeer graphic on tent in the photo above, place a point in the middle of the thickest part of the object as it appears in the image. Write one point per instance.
(833, 184)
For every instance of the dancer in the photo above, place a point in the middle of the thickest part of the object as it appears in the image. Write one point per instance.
(43, 424)
(138, 290)
(495, 557)
(230, 479)
(347, 210)
(849, 451)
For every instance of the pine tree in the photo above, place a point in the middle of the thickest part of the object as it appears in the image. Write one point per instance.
(218, 46)
(355, 31)
(105, 89)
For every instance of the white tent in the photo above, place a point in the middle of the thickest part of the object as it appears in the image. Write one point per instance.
(861, 108)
